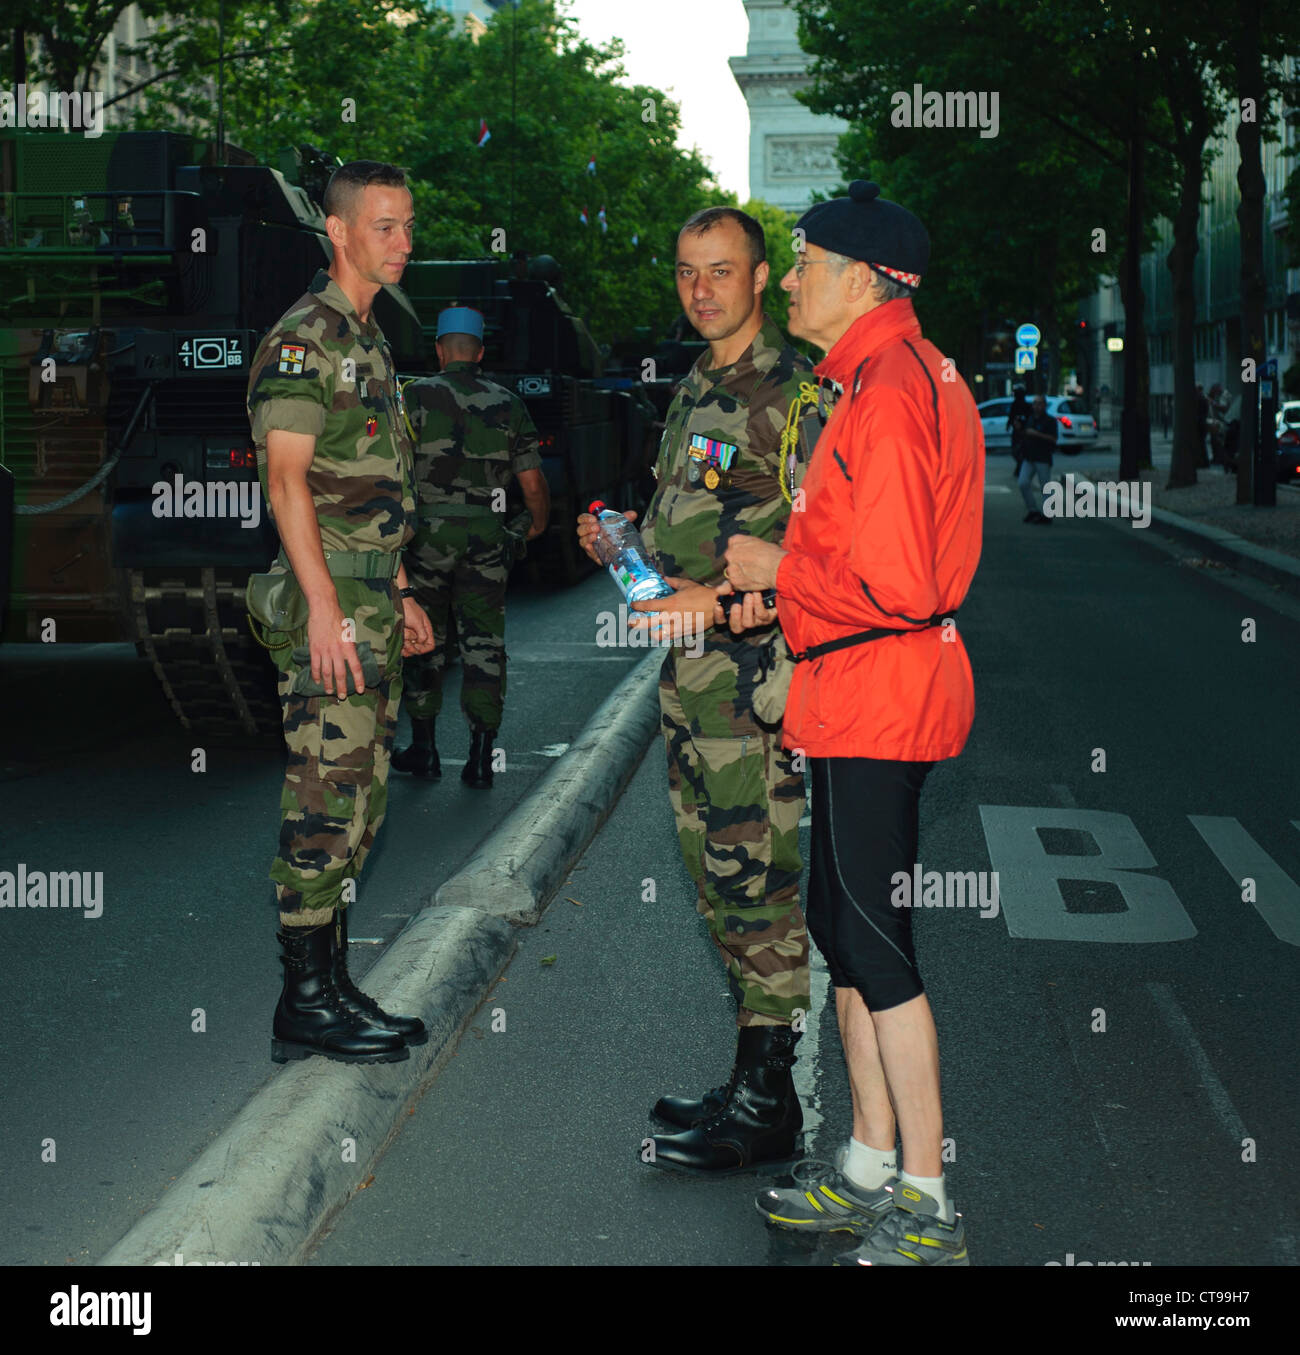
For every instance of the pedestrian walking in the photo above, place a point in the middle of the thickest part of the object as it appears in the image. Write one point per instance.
(1039, 440)
(868, 580)
(472, 438)
(335, 465)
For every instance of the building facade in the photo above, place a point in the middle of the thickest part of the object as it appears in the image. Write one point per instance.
(1218, 339)
(791, 149)
(475, 15)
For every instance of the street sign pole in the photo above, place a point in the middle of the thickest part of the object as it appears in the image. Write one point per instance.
(1264, 489)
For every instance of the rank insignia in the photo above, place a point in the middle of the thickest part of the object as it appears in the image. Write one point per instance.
(711, 460)
(372, 425)
(292, 356)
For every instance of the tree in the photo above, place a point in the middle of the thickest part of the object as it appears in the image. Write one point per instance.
(373, 79)
(1006, 241)
(1258, 36)
(62, 43)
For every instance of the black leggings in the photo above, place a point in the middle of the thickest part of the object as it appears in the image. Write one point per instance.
(865, 826)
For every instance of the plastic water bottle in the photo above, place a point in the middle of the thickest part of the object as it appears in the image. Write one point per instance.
(620, 549)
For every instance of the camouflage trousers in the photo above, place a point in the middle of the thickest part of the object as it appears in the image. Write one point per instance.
(458, 568)
(737, 802)
(335, 791)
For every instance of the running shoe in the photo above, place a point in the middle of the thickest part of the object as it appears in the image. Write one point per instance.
(824, 1200)
(911, 1234)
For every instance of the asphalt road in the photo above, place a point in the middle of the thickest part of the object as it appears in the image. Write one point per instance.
(102, 1070)
(1117, 1042)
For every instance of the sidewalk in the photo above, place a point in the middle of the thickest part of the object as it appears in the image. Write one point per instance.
(1211, 502)
(1261, 542)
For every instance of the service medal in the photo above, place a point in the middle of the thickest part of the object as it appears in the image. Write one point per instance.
(712, 479)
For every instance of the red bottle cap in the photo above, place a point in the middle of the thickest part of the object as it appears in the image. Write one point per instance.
(596, 507)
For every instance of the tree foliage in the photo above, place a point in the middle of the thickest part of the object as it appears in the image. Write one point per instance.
(373, 79)
(1013, 218)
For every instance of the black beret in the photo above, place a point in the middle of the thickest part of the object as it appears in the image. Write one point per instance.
(866, 226)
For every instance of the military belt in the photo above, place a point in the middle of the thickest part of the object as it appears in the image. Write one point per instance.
(455, 510)
(359, 564)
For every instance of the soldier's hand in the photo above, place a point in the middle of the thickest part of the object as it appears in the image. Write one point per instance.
(331, 654)
(589, 530)
(417, 629)
(741, 611)
(688, 613)
(534, 531)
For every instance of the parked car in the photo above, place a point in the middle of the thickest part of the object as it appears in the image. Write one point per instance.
(1074, 425)
(1288, 416)
(1288, 450)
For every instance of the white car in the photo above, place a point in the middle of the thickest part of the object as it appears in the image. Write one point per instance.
(1288, 416)
(1074, 427)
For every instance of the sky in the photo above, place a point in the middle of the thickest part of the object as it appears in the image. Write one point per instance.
(682, 47)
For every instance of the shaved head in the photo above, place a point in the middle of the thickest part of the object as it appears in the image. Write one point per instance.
(349, 182)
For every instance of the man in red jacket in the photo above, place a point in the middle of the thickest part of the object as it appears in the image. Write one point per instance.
(874, 564)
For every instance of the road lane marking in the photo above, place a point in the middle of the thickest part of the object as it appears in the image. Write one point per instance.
(1028, 877)
(1277, 898)
(1220, 1101)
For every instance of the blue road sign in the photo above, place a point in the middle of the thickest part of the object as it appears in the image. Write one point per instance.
(1027, 336)
(1026, 359)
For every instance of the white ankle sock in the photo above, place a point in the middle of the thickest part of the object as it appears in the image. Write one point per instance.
(934, 1187)
(869, 1167)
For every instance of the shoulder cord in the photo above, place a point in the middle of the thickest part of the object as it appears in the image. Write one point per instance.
(809, 394)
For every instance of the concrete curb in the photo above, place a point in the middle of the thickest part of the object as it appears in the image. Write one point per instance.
(514, 873)
(263, 1190)
(1270, 566)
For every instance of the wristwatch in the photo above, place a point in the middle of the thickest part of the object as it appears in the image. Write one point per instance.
(407, 592)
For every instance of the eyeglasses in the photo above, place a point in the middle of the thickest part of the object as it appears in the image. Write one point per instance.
(801, 264)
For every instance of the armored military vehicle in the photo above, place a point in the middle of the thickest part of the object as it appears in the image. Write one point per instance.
(137, 281)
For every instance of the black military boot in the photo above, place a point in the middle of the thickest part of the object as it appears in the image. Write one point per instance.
(682, 1112)
(477, 772)
(311, 1018)
(410, 1028)
(421, 758)
(757, 1126)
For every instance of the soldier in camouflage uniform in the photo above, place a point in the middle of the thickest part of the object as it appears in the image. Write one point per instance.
(335, 465)
(471, 437)
(736, 795)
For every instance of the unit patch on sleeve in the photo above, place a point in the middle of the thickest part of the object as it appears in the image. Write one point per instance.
(292, 356)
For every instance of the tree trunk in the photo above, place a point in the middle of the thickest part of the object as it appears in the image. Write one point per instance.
(20, 58)
(1045, 302)
(1135, 422)
(1250, 218)
(1187, 451)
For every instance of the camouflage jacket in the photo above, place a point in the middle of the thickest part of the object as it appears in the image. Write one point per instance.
(742, 407)
(472, 436)
(322, 372)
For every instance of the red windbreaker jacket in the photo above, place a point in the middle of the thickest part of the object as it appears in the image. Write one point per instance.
(889, 535)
